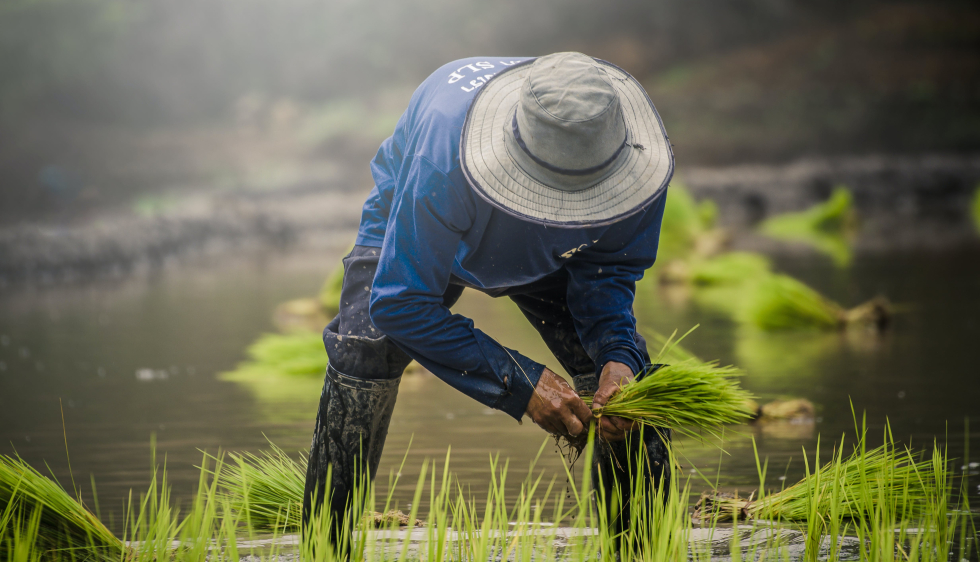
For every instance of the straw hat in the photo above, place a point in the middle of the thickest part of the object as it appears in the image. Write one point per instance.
(566, 140)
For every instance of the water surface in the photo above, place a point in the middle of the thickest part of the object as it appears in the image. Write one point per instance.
(139, 358)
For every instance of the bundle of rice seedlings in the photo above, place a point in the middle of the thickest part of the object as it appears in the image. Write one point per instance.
(730, 269)
(836, 214)
(265, 489)
(851, 488)
(690, 397)
(827, 227)
(688, 225)
(59, 524)
(297, 353)
(779, 302)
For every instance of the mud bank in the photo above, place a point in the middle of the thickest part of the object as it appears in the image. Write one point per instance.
(904, 203)
(205, 225)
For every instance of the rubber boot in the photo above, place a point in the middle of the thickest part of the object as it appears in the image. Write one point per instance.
(615, 466)
(351, 427)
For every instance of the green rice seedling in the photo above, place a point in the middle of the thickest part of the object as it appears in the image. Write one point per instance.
(725, 300)
(690, 397)
(731, 268)
(41, 516)
(779, 302)
(827, 227)
(539, 520)
(672, 351)
(859, 486)
(296, 353)
(837, 214)
(267, 489)
(688, 226)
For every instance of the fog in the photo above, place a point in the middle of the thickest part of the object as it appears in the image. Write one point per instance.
(105, 102)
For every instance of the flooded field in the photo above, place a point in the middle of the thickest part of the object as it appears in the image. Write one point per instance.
(126, 361)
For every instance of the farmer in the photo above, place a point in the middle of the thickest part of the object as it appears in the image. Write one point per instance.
(542, 180)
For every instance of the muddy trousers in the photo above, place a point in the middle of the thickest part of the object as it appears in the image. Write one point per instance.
(361, 386)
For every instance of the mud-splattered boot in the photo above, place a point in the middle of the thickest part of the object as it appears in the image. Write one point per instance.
(351, 427)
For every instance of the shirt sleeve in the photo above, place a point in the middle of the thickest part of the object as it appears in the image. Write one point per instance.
(602, 287)
(425, 227)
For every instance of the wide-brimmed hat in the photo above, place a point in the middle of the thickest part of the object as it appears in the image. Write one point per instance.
(566, 140)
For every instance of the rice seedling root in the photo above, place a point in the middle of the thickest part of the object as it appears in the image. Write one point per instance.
(876, 313)
(392, 516)
(721, 507)
(790, 409)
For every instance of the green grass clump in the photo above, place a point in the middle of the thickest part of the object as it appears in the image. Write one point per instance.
(296, 353)
(779, 302)
(690, 397)
(827, 226)
(730, 268)
(37, 514)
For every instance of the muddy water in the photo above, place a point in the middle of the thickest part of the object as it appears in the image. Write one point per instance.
(140, 359)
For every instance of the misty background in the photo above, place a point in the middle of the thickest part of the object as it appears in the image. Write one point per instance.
(129, 104)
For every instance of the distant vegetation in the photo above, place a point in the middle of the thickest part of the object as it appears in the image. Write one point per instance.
(753, 64)
(168, 86)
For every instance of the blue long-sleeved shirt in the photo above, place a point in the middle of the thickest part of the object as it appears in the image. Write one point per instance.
(432, 226)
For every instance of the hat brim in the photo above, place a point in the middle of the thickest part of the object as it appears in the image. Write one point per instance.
(638, 180)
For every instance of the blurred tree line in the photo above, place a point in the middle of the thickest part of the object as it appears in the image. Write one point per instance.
(156, 61)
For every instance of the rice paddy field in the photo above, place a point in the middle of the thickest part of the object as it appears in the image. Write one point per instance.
(108, 368)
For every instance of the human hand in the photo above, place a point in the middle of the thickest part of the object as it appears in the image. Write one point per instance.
(557, 408)
(614, 375)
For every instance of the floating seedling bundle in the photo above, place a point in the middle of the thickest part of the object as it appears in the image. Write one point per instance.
(836, 214)
(730, 268)
(295, 353)
(827, 227)
(37, 511)
(779, 302)
(690, 397)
